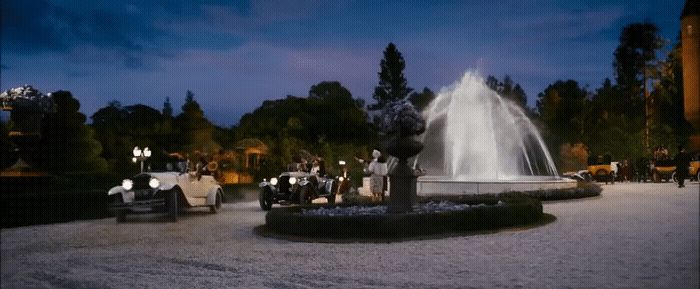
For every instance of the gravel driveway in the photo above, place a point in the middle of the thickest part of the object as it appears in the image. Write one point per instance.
(634, 235)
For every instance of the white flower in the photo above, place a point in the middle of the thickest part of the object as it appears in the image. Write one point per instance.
(401, 116)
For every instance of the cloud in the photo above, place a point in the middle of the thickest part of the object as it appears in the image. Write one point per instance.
(39, 25)
(563, 25)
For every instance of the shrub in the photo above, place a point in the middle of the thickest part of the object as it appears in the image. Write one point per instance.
(514, 212)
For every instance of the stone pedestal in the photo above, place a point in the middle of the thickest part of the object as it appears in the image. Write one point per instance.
(402, 192)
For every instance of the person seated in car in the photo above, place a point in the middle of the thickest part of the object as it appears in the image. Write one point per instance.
(317, 170)
(201, 168)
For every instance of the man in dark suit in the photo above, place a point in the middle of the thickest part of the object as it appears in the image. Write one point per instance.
(682, 161)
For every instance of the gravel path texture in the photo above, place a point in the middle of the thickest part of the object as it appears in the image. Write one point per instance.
(633, 235)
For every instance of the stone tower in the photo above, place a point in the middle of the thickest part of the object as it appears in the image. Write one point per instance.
(690, 48)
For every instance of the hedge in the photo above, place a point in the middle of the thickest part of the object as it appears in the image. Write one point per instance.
(514, 212)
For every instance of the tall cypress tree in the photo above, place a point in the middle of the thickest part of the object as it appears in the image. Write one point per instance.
(167, 108)
(393, 86)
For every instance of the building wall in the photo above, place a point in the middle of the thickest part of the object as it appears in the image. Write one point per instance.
(690, 45)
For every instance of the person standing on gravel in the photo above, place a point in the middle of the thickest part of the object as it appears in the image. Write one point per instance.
(682, 161)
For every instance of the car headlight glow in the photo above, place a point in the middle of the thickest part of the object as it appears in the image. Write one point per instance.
(154, 183)
(274, 181)
(292, 180)
(341, 179)
(127, 184)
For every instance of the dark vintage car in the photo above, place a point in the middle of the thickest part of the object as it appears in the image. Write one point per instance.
(168, 192)
(297, 188)
(663, 170)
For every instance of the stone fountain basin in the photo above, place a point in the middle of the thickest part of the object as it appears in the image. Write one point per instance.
(431, 186)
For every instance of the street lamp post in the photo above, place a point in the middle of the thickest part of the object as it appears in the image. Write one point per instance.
(141, 155)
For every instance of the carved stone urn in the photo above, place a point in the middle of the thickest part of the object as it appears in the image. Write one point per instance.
(405, 122)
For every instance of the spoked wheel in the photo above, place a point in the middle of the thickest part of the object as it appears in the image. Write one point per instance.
(217, 204)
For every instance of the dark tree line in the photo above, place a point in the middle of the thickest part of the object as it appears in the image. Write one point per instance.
(646, 95)
(627, 118)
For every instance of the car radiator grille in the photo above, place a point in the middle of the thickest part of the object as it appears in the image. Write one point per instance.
(141, 182)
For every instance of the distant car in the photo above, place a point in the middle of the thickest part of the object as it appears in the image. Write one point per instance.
(663, 170)
(297, 188)
(168, 192)
(693, 172)
(602, 168)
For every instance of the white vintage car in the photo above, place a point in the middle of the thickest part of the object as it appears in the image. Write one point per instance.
(167, 192)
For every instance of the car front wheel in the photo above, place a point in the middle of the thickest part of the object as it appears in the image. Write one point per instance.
(217, 203)
(305, 195)
(265, 199)
(119, 213)
(171, 203)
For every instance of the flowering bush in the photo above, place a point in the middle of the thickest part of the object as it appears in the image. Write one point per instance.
(402, 117)
(26, 98)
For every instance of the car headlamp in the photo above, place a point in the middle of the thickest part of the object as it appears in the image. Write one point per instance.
(274, 181)
(154, 183)
(341, 179)
(127, 184)
(292, 180)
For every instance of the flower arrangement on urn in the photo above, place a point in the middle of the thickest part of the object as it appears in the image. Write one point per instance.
(403, 121)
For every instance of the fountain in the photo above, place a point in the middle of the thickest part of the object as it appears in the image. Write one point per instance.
(476, 142)
(475, 145)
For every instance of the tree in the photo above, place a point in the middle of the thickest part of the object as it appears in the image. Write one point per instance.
(110, 132)
(67, 143)
(561, 107)
(120, 128)
(167, 108)
(634, 64)
(336, 114)
(393, 86)
(508, 90)
(329, 123)
(636, 51)
(196, 132)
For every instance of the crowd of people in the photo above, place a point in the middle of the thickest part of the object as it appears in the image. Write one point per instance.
(199, 164)
(643, 169)
(376, 169)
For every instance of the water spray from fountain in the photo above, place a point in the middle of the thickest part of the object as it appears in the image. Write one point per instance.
(474, 134)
